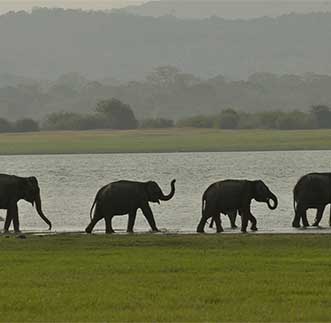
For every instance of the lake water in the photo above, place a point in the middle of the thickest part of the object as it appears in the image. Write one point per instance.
(69, 183)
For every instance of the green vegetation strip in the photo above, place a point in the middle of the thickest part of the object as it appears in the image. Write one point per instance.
(166, 140)
(166, 278)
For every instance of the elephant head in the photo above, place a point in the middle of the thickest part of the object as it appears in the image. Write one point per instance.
(263, 194)
(155, 193)
(31, 193)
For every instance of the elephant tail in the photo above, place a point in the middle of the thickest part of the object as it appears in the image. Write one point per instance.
(203, 206)
(94, 203)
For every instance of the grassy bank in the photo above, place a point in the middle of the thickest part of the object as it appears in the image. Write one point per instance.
(166, 278)
(166, 140)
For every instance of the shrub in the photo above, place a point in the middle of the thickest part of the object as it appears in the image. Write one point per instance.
(5, 125)
(196, 122)
(157, 123)
(25, 125)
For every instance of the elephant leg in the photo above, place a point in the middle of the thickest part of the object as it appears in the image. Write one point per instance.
(244, 220)
(93, 222)
(109, 228)
(8, 220)
(211, 225)
(131, 221)
(149, 217)
(330, 217)
(319, 215)
(296, 220)
(303, 213)
(202, 223)
(252, 219)
(16, 222)
(232, 217)
(217, 219)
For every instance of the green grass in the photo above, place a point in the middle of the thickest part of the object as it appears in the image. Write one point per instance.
(166, 278)
(163, 140)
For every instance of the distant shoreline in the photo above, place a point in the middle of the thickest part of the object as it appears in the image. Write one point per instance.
(162, 141)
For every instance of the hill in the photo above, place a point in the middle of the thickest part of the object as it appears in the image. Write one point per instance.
(49, 42)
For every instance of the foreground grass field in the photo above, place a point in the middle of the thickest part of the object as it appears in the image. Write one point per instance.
(164, 140)
(166, 278)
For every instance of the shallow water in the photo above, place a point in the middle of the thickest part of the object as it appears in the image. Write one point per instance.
(69, 183)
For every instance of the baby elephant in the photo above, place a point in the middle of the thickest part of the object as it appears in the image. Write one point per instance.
(231, 196)
(126, 197)
(12, 190)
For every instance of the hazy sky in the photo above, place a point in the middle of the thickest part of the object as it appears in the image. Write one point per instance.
(231, 8)
(16, 5)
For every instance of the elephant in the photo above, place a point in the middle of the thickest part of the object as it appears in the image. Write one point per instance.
(312, 190)
(232, 217)
(126, 197)
(14, 188)
(232, 195)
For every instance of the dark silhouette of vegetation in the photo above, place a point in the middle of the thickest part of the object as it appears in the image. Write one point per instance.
(156, 123)
(5, 125)
(110, 114)
(113, 114)
(322, 115)
(26, 125)
(168, 93)
(116, 114)
(231, 119)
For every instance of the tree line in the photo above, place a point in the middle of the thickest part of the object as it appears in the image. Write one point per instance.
(114, 114)
(167, 92)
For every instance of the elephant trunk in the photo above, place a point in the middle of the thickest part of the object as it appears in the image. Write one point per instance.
(171, 194)
(274, 199)
(40, 212)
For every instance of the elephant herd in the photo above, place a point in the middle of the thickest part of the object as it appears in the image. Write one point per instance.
(230, 197)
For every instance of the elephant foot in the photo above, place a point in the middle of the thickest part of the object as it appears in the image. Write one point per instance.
(130, 232)
(88, 231)
(295, 225)
(254, 228)
(21, 236)
(234, 227)
(155, 231)
(220, 231)
(243, 231)
(315, 224)
(200, 231)
(110, 231)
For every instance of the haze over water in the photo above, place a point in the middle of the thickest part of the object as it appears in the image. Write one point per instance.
(69, 184)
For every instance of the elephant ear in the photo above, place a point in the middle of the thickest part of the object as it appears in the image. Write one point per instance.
(153, 192)
(260, 191)
(30, 189)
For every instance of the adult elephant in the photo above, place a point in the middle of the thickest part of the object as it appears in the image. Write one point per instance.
(232, 195)
(126, 197)
(313, 191)
(14, 188)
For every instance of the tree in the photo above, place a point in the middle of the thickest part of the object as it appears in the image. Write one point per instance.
(227, 119)
(294, 120)
(73, 121)
(116, 114)
(322, 115)
(5, 125)
(25, 125)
